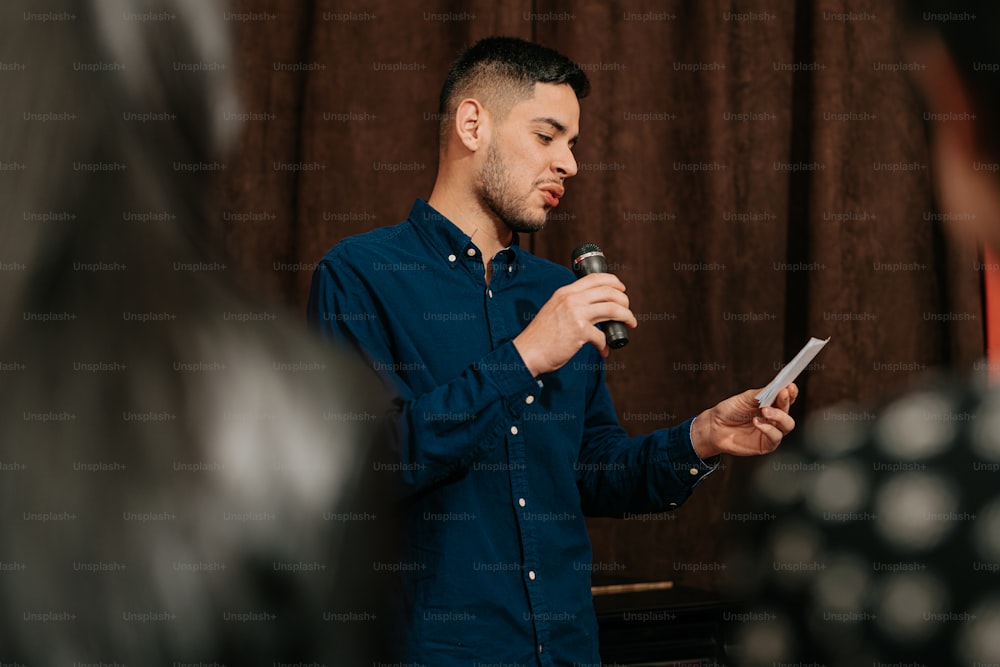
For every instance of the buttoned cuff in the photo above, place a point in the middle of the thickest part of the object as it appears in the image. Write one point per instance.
(688, 465)
(505, 368)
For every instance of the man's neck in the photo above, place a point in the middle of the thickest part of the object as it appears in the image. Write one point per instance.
(467, 213)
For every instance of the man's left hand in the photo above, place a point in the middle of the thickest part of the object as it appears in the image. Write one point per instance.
(739, 426)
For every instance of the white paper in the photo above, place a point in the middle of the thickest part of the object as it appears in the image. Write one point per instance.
(791, 371)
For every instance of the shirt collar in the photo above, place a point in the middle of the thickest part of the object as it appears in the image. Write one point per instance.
(450, 242)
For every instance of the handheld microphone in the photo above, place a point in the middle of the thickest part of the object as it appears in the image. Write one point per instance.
(588, 259)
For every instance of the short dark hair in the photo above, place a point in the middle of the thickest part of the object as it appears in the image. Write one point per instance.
(504, 70)
(969, 31)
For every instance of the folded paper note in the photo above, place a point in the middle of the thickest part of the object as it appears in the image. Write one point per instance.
(791, 371)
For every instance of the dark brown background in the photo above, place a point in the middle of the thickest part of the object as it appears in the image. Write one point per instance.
(769, 243)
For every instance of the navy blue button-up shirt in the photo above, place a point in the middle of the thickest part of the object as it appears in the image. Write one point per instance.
(496, 468)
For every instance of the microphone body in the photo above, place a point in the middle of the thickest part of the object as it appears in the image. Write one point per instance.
(588, 259)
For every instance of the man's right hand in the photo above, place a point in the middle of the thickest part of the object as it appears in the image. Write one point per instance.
(566, 322)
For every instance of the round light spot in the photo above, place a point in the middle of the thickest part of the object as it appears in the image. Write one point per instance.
(907, 605)
(779, 479)
(842, 587)
(979, 639)
(765, 643)
(916, 427)
(795, 549)
(915, 510)
(839, 488)
(836, 431)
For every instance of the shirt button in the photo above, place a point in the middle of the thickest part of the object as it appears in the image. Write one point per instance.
(490, 293)
(673, 504)
(529, 399)
(539, 648)
(471, 252)
(513, 430)
(510, 269)
(452, 258)
(531, 575)
(522, 502)
(693, 471)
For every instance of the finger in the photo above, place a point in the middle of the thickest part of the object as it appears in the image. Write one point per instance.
(787, 396)
(592, 280)
(780, 420)
(783, 400)
(594, 297)
(597, 338)
(745, 405)
(770, 432)
(601, 294)
(602, 312)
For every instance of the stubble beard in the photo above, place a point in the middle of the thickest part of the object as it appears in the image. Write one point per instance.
(495, 191)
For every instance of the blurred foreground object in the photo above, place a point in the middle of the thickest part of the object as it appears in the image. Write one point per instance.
(881, 542)
(183, 469)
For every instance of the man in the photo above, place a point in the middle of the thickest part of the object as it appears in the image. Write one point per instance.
(885, 543)
(506, 432)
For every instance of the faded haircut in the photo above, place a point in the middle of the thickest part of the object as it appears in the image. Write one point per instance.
(501, 71)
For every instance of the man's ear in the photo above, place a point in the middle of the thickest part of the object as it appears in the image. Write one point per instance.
(473, 124)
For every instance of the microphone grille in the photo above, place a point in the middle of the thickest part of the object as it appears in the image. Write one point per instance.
(583, 250)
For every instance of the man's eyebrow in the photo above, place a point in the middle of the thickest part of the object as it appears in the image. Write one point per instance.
(559, 127)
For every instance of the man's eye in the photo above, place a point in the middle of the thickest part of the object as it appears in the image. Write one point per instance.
(544, 138)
